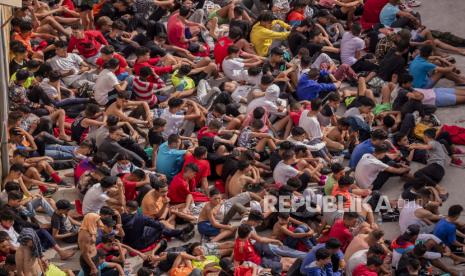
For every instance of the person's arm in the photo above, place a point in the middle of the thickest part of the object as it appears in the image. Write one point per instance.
(115, 266)
(421, 146)
(57, 236)
(120, 87)
(189, 201)
(394, 170)
(274, 35)
(123, 117)
(261, 239)
(350, 4)
(289, 233)
(30, 139)
(90, 122)
(196, 114)
(215, 223)
(84, 241)
(426, 216)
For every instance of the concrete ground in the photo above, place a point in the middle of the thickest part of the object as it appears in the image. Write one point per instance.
(444, 15)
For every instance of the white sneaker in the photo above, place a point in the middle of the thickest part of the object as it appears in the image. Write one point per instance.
(413, 3)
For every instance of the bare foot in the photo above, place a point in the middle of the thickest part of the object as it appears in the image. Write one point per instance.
(66, 254)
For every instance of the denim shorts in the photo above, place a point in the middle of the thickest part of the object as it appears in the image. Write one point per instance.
(445, 96)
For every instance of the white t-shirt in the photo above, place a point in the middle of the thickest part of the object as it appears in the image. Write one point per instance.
(234, 69)
(359, 257)
(105, 83)
(12, 234)
(368, 169)
(94, 199)
(49, 89)
(241, 92)
(71, 62)
(354, 112)
(282, 172)
(173, 122)
(310, 125)
(350, 44)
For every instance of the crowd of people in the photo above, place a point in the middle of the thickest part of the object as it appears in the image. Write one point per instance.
(258, 133)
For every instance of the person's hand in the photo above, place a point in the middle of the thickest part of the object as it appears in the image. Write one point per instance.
(93, 271)
(194, 39)
(49, 108)
(165, 200)
(200, 258)
(278, 243)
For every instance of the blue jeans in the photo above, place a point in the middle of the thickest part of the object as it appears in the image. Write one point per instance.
(292, 242)
(70, 101)
(37, 202)
(60, 152)
(285, 251)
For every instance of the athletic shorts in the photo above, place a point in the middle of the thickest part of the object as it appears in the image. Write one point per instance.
(445, 97)
(207, 229)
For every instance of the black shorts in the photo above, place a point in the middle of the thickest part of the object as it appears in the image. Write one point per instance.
(84, 7)
(199, 76)
(337, 12)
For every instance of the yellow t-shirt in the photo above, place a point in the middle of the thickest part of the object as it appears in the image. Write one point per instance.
(262, 37)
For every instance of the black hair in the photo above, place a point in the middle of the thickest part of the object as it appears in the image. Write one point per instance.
(322, 254)
(243, 164)
(145, 72)
(17, 168)
(244, 230)
(18, 49)
(381, 148)
(283, 215)
(12, 186)
(374, 260)
(430, 133)
(336, 167)
(213, 192)
(141, 51)
(286, 145)
(288, 154)
(192, 167)
(305, 61)
(184, 11)
(215, 124)
(60, 44)
(379, 134)
(255, 215)
(108, 181)
(107, 50)
(405, 78)
(144, 271)
(140, 174)
(112, 63)
(356, 29)
(6, 215)
(233, 49)
(220, 108)
(15, 195)
(365, 101)
(350, 215)
(455, 210)
(426, 51)
(346, 180)
(258, 112)
(257, 124)
(173, 138)
(266, 16)
(235, 33)
(119, 25)
(25, 26)
(316, 104)
(199, 152)
(266, 79)
(175, 102)
(389, 121)
(334, 97)
(22, 75)
(376, 249)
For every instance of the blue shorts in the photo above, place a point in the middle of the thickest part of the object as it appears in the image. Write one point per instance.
(429, 84)
(445, 96)
(207, 229)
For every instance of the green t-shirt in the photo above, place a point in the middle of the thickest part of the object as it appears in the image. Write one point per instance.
(329, 185)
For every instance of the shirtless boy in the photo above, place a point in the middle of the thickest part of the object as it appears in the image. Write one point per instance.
(236, 183)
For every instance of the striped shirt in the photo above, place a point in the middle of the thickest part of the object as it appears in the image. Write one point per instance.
(145, 91)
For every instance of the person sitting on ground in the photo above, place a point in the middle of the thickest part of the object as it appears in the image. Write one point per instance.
(296, 237)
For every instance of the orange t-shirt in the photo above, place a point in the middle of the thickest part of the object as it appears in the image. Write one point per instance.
(337, 191)
(25, 40)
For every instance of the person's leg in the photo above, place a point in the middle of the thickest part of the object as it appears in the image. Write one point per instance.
(380, 180)
(444, 46)
(345, 72)
(41, 202)
(52, 22)
(59, 152)
(236, 208)
(285, 251)
(408, 124)
(321, 59)
(223, 235)
(47, 242)
(58, 117)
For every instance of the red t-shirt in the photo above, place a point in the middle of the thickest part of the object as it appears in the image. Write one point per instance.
(159, 70)
(176, 30)
(362, 270)
(371, 11)
(88, 46)
(244, 251)
(221, 49)
(204, 169)
(130, 187)
(342, 233)
(203, 132)
(122, 63)
(178, 189)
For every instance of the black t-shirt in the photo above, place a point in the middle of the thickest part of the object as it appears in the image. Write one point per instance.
(155, 138)
(275, 158)
(296, 41)
(391, 64)
(64, 226)
(229, 167)
(401, 99)
(242, 24)
(115, 42)
(275, 70)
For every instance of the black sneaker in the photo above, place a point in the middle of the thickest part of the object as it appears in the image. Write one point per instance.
(185, 237)
(188, 228)
(163, 245)
(390, 217)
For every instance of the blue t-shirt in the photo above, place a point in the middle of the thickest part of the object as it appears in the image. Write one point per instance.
(311, 257)
(308, 89)
(420, 69)
(169, 161)
(362, 148)
(445, 230)
(388, 14)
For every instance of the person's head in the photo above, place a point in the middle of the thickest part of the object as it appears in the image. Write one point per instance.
(219, 110)
(323, 17)
(21, 76)
(288, 156)
(184, 11)
(276, 55)
(405, 80)
(356, 29)
(63, 206)
(343, 124)
(233, 51)
(115, 133)
(313, 73)
(215, 197)
(145, 72)
(286, 145)
(410, 234)
(6, 219)
(100, 172)
(122, 98)
(200, 153)
(378, 136)
(350, 219)
(298, 133)
(374, 263)
(142, 54)
(25, 28)
(160, 188)
(323, 256)
(144, 271)
(118, 27)
(14, 198)
(108, 224)
(454, 212)
(104, 24)
(334, 99)
(215, 125)
(11, 186)
(305, 61)
(338, 170)
(380, 151)
(283, 218)
(376, 250)
(426, 51)
(19, 51)
(159, 124)
(175, 104)
(244, 166)
(402, 46)
(303, 52)
(17, 170)
(389, 121)
(92, 111)
(256, 125)
(5, 244)
(228, 86)
(112, 64)
(77, 31)
(238, 11)
(107, 52)
(190, 170)
(401, 139)
(345, 182)
(266, 81)
(255, 218)
(244, 230)
(235, 33)
(375, 236)
(54, 76)
(195, 249)
(174, 141)
(394, 2)
(316, 105)
(108, 182)
(19, 156)
(413, 266)
(429, 134)
(366, 105)
(122, 159)
(266, 18)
